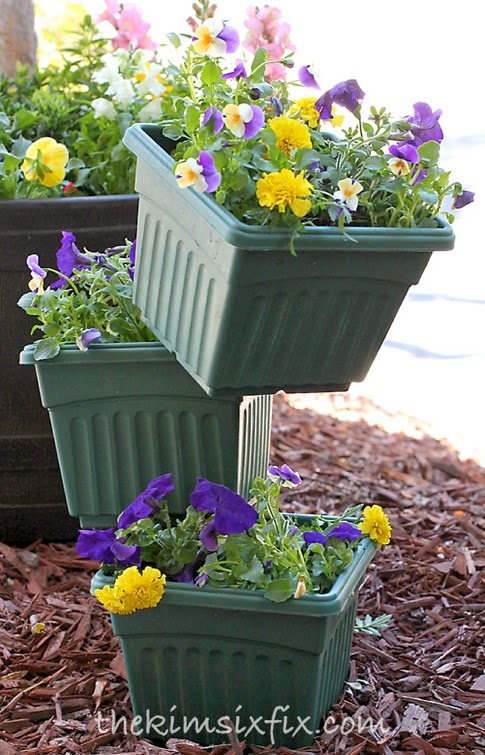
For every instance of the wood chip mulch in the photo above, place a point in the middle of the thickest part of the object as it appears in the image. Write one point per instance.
(421, 682)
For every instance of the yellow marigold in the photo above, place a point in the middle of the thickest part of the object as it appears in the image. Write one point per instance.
(133, 590)
(109, 599)
(45, 162)
(283, 190)
(376, 525)
(290, 134)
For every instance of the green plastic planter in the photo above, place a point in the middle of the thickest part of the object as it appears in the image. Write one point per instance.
(123, 414)
(204, 654)
(242, 314)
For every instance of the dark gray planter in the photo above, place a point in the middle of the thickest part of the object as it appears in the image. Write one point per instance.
(32, 503)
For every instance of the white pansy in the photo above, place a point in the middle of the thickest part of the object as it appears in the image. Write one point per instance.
(103, 107)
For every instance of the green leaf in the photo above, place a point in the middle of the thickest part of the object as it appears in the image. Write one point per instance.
(46, 349)
(259, 58)
(74, 162)
(174, 39)
(20, 147)
(430, 197)
(211, 73)
(279, 590)
(10, 162)
(429, 152)
(24, 119)
(192, 118)
(25, 301)
(254, 573)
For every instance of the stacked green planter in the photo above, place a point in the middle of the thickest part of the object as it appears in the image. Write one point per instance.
(122, 414)
(202, 655)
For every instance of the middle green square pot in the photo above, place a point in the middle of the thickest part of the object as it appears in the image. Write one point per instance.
(123, 414)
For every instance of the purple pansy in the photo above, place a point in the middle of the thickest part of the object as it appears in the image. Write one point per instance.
(343, 531)
(276, 106)
(209, 171)
(232, 513)
(102, 545)
(307, 77)
(425, 126)
(347, 93)
(405, 151)
(38, 273)
(230, 36)
(466, 197)
(69, 258)
(208, 536)
(146, 503)
(213, 117)
(238, 72)
(88, 337)
(202, 580)
(285, 473)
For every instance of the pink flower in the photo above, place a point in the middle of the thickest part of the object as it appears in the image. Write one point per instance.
(127, 21)
(266, 30)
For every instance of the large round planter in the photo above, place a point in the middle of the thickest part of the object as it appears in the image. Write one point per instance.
(123, 414)
(204, 654)
(242, 314)
(32, 504)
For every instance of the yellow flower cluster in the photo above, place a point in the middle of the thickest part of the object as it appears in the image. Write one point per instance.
(376, 525)
(284, 189)
(290, 134)
(133, 590)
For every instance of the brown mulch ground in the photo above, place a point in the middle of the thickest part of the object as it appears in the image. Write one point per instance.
(424, 677)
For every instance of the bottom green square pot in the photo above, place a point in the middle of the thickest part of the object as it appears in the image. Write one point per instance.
(206, 654)
(123, 414)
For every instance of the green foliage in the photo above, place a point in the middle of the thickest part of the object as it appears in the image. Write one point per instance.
(270, 556)
(99, 296)
(60, 102)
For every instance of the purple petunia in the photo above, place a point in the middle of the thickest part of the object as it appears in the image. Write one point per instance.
(146, 503)
(285, 473)
(88, 337)
(132, 257)
(342, 531)
(466, 197)
(232, 513)
(238, 72)
(213, 118)
(69, 258)
(307, 77)
(102, 545)
(425, 126)
(208, 536)
(348, 94)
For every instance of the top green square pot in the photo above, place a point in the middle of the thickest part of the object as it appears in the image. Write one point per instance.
(244, 316)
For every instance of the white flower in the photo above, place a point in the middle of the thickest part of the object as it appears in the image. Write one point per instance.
(150, 80)
(151, 112)
(348, 190)
(110, 71)
(122, 91)
(189, 173)
(103, 107)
